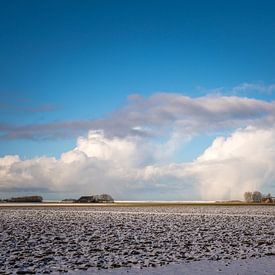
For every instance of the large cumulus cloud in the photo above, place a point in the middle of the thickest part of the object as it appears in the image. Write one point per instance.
(244, 161)
(97, 164)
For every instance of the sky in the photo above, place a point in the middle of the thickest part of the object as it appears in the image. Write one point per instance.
(146, 100)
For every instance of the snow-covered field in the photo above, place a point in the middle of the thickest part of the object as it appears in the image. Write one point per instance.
(74, 239)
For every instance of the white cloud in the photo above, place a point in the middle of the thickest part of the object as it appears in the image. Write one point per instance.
(97, 164)
(245, 161)
(130, 168)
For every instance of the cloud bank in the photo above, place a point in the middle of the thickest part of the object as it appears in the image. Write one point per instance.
(133, 168)
(156, 115)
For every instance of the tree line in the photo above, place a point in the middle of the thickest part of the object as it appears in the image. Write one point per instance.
(257, 196)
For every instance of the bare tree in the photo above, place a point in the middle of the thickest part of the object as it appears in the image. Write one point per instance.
(257, 196)
(248, 196)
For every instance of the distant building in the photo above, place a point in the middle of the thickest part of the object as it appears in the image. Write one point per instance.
(268, 199)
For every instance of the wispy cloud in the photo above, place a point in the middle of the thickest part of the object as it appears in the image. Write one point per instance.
(258, 87)
(23, 108)
(15, 103)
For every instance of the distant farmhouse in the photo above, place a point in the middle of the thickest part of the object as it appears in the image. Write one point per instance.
(103, 198)
(268, 199)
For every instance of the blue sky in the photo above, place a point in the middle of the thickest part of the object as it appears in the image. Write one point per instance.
(66, 61)
(84, 59)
